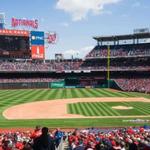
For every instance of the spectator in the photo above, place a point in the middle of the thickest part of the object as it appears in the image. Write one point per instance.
(44, 142)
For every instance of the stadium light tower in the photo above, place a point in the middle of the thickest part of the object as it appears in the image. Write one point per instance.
(108, 66)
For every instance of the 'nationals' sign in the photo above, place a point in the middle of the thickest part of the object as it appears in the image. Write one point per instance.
(24, 22)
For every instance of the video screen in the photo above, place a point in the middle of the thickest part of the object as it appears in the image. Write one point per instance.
(14, 43)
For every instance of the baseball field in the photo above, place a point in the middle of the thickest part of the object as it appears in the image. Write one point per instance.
(71, 108)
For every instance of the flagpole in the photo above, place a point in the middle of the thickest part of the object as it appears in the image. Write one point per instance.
(108, 66)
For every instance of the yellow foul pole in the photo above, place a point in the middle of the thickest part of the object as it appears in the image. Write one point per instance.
(108, 66)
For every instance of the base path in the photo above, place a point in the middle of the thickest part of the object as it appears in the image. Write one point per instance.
(53, 109)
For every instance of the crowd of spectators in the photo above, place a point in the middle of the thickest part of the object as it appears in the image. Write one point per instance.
(140, 85)
(40, 66)
(131, 138)
(110, 139)
(118, 51)
(27, 80)
(139, 64)
(116, 68)
(39, 139)
(104, 53)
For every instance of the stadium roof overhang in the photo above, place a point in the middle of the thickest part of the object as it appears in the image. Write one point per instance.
(122, 37)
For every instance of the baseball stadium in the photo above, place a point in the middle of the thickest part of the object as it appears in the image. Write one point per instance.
(99, 102)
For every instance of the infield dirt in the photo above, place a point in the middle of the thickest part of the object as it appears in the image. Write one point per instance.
(52, 109)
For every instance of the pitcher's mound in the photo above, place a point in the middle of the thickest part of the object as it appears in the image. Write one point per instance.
(122, 107)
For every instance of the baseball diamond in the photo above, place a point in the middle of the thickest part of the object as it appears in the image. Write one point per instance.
(68, 105)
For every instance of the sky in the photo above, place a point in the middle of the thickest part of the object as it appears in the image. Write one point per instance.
(77, 21)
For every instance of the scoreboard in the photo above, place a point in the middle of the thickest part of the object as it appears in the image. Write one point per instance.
(14, 44)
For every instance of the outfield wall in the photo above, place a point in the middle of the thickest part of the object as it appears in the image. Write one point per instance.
(97, 79)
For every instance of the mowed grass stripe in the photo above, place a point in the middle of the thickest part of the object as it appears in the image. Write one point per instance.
(69, 109)
(86, 93)
(73, 109)
(95, 93)
(58, 94)
(82, 108)
(77, 110)
(118, 94)
(79, 94)
(48, 94)
(105, 93)
(13, 99)
(98, 109)
(128, 94)
(113, 94)
(145, 105)
(89, 112)
(11, 95)
(4, 93)
(42, 95)
(68, 93)
(37, 96)
(111, 110)
(55, 94)
(74, 94)
(20, 98)
(93, 109)
(137, 108)
(107, 110)
(141, 108)
(102, 109)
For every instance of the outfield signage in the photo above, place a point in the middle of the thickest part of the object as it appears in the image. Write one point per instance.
(59, 84)
(38, 52)
(15, 22)
(37, 38)
(14, 32)
(37, 44)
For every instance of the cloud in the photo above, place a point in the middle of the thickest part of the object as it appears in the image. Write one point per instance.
(136, 4)
(65, 24)
(71, 52)
(82, 52)
(79, 9)
(86, 49)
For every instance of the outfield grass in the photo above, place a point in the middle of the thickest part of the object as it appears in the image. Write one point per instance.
(105, 109)
(13, 97)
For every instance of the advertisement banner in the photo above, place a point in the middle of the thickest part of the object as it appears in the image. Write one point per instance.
(14, 32)
(37, 52)
(37, 38)
(24, 22)
(59, 84)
